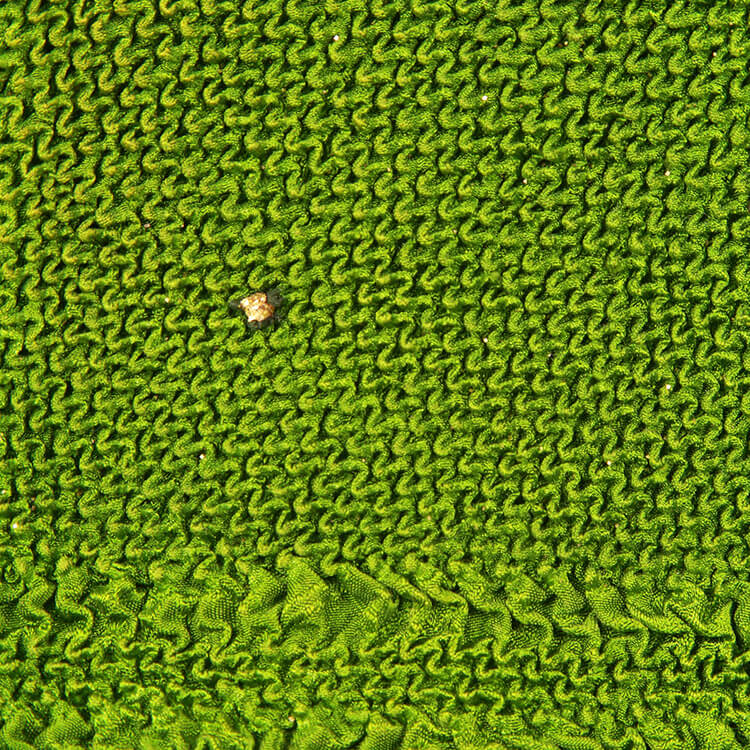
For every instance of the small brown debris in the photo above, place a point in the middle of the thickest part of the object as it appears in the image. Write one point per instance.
(260, 308)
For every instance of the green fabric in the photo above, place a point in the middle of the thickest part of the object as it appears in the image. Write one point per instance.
(486, 484)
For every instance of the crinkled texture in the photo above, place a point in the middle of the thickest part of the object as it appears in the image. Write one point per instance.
(485, 485)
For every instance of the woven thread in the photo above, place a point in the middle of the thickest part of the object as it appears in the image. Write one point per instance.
(486, 483)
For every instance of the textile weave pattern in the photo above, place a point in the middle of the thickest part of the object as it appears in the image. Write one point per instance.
(485, 484)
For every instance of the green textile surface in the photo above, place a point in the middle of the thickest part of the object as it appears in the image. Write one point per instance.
(486, 484)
